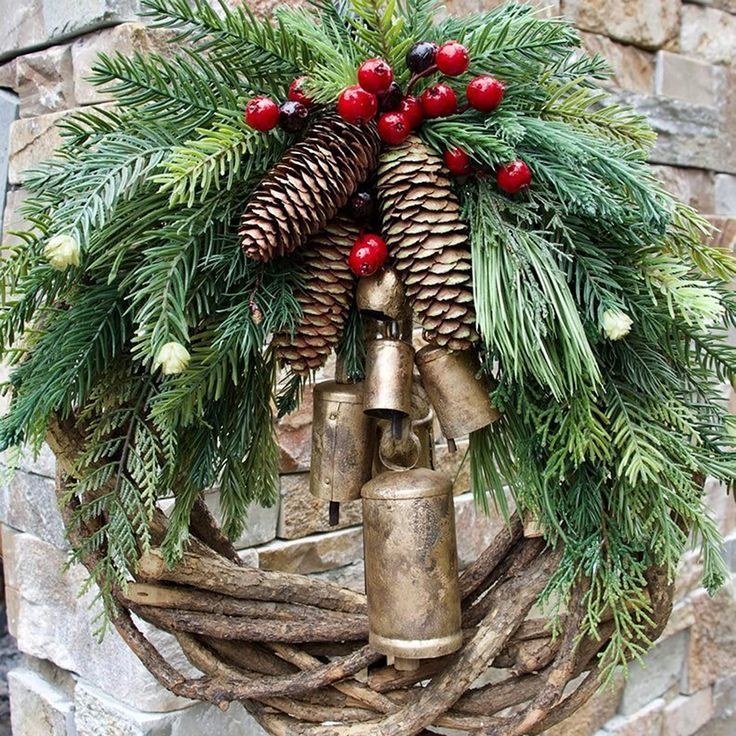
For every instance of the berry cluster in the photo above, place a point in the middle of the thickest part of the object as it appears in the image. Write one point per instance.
(368, 254)
(263, 114)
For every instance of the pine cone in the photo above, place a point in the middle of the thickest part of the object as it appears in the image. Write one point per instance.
(304, 191)
(429, 242)
(325, 299)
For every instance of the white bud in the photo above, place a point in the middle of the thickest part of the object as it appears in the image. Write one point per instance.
(62, 251)
(616, 324)
(172, 358)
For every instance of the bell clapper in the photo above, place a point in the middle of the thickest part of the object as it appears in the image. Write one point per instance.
(451, 445)
(334, 513)
(397, 426)
(401, 664)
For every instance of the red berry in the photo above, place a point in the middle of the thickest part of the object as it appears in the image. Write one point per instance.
(262, 113)
(485, 93)
(394, 127)
(514, 176)
(458, 161)
(368, 254)
(412, 108)
(356, 106)
(375, 75)
(452, 58)
(296, 92)
(439, 100)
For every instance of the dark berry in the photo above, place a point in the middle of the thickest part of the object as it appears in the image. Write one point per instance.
(356, 106)
(438, 101)
(368, 254)
(262, 113)
(412, 108)
(514, 176)
(452, 58)
(293, 116)
(362, 206)
(391, 98)
(296, 92)
(485, 93)
(458, 161)
(421, 56)
(394, 127)
(375, 75)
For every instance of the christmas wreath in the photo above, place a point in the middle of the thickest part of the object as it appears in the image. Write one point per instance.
(272, 191)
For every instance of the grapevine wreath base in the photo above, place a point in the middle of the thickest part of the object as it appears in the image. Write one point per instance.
(293, 649)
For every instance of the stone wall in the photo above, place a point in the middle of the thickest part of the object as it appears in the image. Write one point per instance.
(672, 60)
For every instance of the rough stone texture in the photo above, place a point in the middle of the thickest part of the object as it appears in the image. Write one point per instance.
(44, 81)
(97, 714)
(313, 554)
(645, 722)
(708, 33)
(633, 69)
(693, 186)
(294, 434)
(32, 140)
(11, 219)
(302, 514)
(475, 529)
(660, 671)
(684, 78)
(51, 621)
(34, 23)
(645, 23)
(350, 576)
(724, 710)
(8, 113)
(687, 713)
(712, 647)
(725, 194)
(39, 707)
(455, 464)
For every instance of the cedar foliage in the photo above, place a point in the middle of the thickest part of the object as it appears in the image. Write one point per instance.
(607, 442)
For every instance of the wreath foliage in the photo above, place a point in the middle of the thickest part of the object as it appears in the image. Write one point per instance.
(606, 441)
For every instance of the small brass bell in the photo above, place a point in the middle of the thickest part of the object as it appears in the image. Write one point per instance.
(381, 296)
(411, 565)
(342, 442)
(460, 398)
(388, 379)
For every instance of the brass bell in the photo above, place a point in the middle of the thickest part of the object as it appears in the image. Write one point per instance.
(389, 368)
(342, 442)
(411, 566)
(381, 296)
(459, 396)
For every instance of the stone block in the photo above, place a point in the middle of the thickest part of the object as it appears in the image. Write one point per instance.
(32, 140)
(692, 186)
(708, 33)
(725, 236)
(712, 646)
(660, 671)
(11, 218)
(302, 514)
(685, 78)
(682, 618)
(34, 23)
(98, 714)
(687, 713)
(720, 502)
(52, 621)
(350, 576)
(125, 38)
(730, 552)
(7, 75)
(28, 503)
(44, 81)
(725, 203)
(475, 529)
(633, 69)
(455, 464)
(8, 113)
(649, 24)
(647, 721)
(729, 5)
(313, 554)
(723, 722)
(38, 707)
(294, 433)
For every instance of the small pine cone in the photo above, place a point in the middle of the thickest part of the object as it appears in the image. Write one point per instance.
(325, 298)
(305, 190)
(428, 240)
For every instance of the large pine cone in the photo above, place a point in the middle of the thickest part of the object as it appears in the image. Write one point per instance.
(304, 191)
(325, 298)
(428, 240)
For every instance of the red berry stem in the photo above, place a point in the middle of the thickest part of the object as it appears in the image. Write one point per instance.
(416, 77)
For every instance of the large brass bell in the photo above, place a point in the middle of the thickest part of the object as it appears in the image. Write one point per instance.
(342, 442)
(411, 565)
(461, 399)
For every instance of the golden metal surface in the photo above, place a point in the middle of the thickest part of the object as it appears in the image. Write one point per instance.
(411, 564)
(342, 442)
(388, 379)
(381, 295)
(460, 398)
